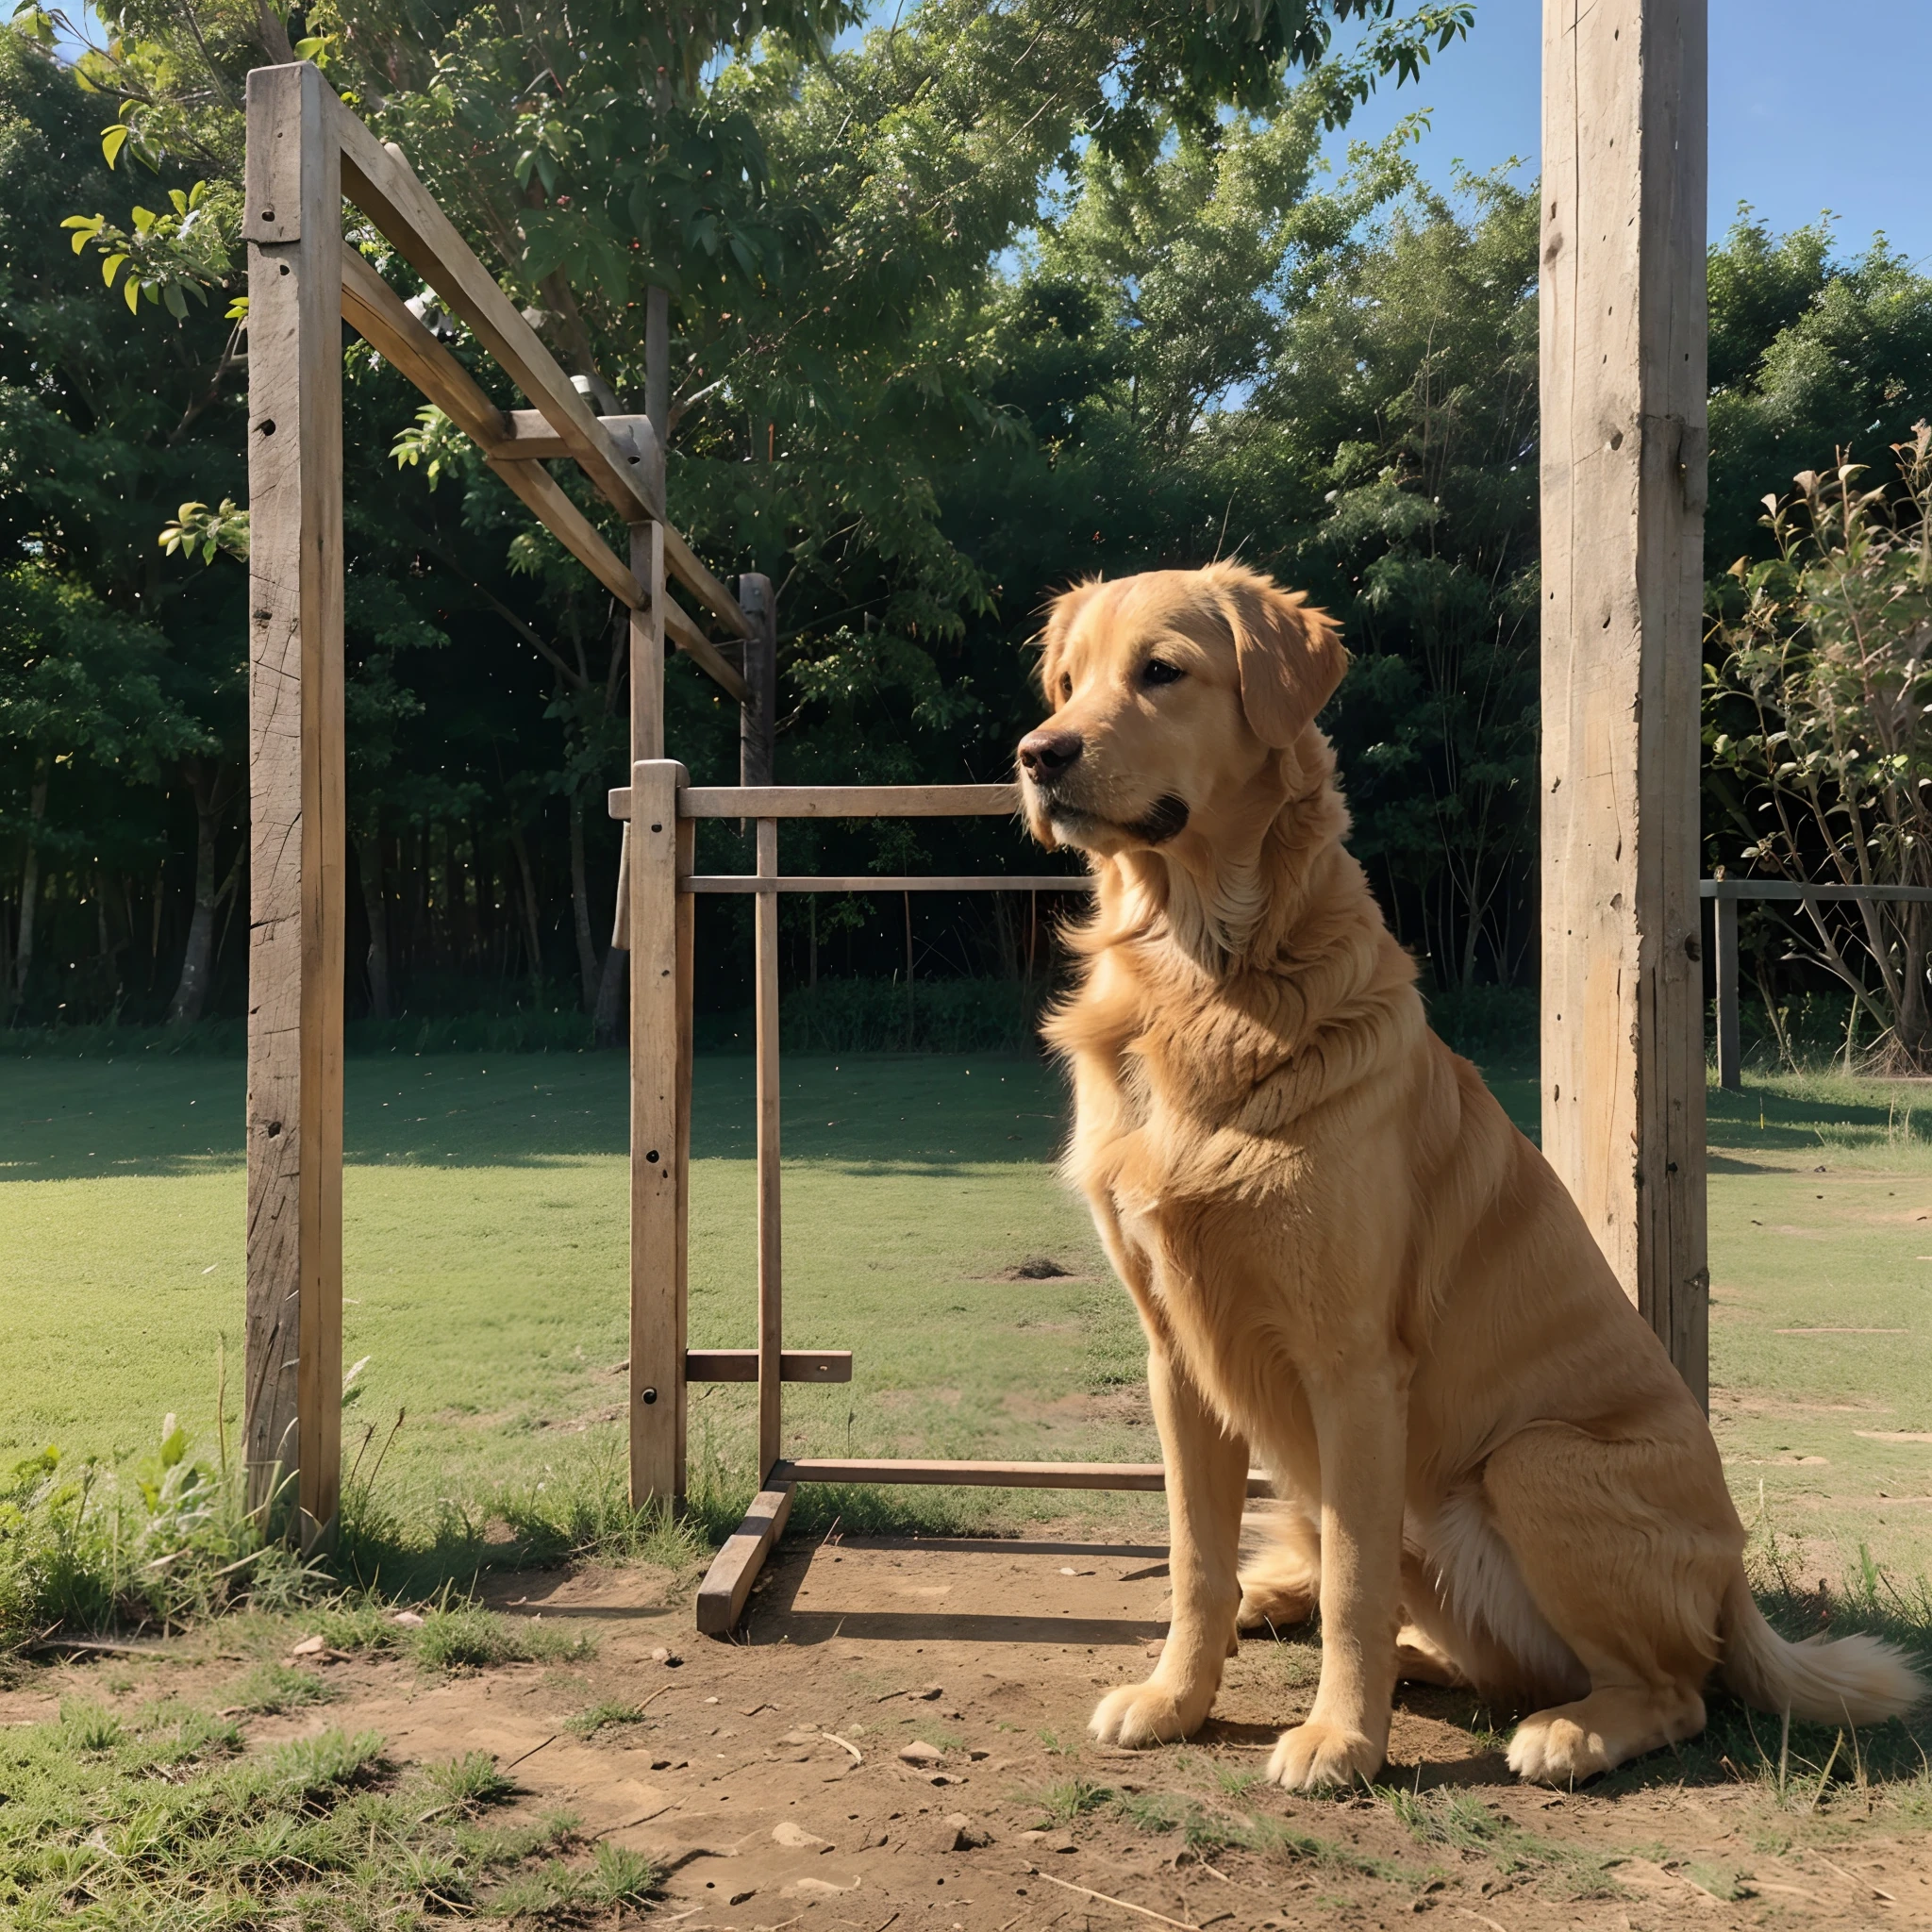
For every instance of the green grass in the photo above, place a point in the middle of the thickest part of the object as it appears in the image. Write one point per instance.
(485, 1212)
(165, 1821)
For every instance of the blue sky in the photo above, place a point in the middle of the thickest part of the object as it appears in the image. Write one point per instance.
(1813, 107)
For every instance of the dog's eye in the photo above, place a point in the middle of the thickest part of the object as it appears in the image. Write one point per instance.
(1158, 670)
(1066, 689)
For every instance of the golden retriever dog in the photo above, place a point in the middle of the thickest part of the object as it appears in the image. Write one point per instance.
(1349, 1264)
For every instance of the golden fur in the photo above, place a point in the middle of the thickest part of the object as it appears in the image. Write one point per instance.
(1349, 1265)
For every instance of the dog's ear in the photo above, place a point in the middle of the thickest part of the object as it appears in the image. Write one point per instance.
(1288, 654)
(1052, 640)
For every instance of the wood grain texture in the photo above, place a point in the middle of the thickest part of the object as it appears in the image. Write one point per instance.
(741, 1365)
(380, 180)
(291, 1418)
(846, 801)
(381, 318)
(1624, 448)
(685, 941)
(684, 565)
(658, 1104)
(735, 1568)
(647, 642)
(757, 716)
(771, 1245)
(543, 495)
(997, 1475)
(1731, 1073)
(894, 882)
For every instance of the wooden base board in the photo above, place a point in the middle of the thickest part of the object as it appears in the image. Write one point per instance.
(735, 1568)
(997, 1475)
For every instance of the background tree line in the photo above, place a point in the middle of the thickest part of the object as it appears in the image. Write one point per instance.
(962, 310)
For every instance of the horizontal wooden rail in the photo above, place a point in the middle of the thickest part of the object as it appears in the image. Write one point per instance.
(379, 179)
(682, 564)
(836, 801)
(872, 882)
(1795, 890)
(997, 1475)
(741, 1365)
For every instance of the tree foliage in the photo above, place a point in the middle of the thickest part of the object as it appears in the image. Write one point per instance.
(960, 309)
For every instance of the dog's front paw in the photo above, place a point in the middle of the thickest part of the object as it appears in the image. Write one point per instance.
(1141, 1714)
(1552, 1749)
(1313, 1756)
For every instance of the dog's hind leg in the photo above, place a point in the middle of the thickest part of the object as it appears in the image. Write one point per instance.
(1207, 1484)
(1281, 1579)
(1625, 1546)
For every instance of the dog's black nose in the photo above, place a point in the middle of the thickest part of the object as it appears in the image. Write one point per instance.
(1044, 755)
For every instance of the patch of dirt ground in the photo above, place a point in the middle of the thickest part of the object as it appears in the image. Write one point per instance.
(771, 1775)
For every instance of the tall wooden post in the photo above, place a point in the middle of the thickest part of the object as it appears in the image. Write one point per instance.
(758, 721)
(659, 851)
(1624, 464)
(1729, 1058)
(292, 1423)
(660, 1130)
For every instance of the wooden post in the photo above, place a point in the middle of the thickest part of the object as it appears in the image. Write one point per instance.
(291, 219)
(659, 1055)
(771, 1250)
(1729, 1061)
(1625, 443)
(758, 721)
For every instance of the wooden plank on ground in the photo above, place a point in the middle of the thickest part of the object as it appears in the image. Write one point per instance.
(997, 1475)
(736, 1567)
(741, 1365)
(656, 1305)
(378, 178)
(297, 908)
(1623, 447)
(771, 1245)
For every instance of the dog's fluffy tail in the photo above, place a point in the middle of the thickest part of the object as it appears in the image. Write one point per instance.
(1858, 1679)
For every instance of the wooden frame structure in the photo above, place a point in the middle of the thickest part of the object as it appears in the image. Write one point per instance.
(1623, 478)
(306, 154)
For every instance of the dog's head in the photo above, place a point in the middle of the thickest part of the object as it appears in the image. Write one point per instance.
(1171, 694)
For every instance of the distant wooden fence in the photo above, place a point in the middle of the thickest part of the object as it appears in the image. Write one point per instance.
(1727, 895)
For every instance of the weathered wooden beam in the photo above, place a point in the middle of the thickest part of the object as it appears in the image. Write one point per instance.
(757, 717)
(1624, 441)
(1729, 1060)
(770, 1180)
(379, 179)
(683, 564)
(383, 319)
(659, 1090)
(997, 1475)
(736, 1567)
(742, 882)
(837, 802)
(543, 495)
(292, 1420)
(741, 1365)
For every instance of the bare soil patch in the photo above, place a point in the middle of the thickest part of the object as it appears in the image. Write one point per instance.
(896, 1739)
